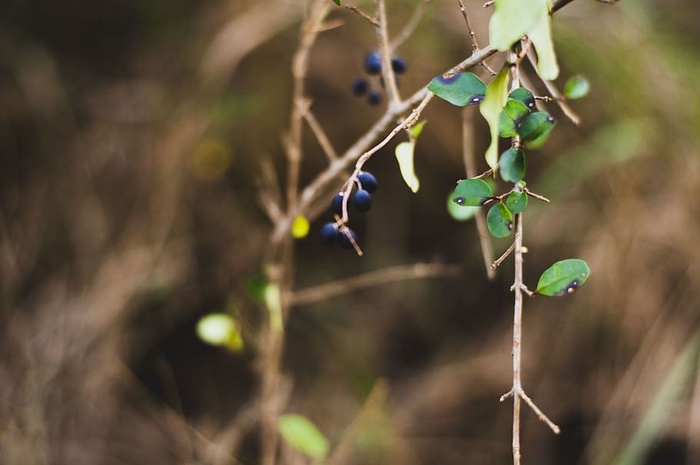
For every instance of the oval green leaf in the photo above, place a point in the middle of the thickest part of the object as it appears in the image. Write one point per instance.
(499, 220)
(563, 277)
(459, 212)
(516, 202)
(535, 128)
(576, 87)
(472, 193)
(300, 433)
(524, 96)
(512, 165)
(511, 116)
(460, 90)
(404, 155)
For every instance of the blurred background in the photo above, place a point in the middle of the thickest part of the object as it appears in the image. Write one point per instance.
(133, 136)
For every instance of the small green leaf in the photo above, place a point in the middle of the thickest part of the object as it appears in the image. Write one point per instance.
(490, 108)
(303, 435)
(512, 165)
(255, 286)
(337, 2)
(472, 193)
(220, 329)
(300, 227)
(460, 212)
(417, 129)
(273, 302)
(576, 87)
(499, 220)
(535, 128)
(524, 96)
(563, 277)
(516, 202)
(511, 116)
(460, 90)
(404, 155)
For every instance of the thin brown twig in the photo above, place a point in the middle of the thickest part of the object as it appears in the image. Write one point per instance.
(469, 158)
(558, 97)
(356, 10)
(503, 256)
(371, 279)
(317, 130)
(385, 52)
(472, 36)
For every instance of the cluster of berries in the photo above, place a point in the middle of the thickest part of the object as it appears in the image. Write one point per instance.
(373, 67)
(339, 233)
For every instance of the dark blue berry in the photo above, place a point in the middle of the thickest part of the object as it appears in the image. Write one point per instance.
(374, 97)
(344, 238)
(329, 234)
(360, 87)
(363, 201)
(337, 204)
(367, 181)
(373, 63)
(398, 65)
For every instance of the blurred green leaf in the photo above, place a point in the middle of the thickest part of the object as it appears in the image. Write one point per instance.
(564, 277)
(512, 165)
(220, 329)
(516, 202)
(273, 302)
(300, 433)
(541, 37)
(490, 108)
(404, 155)
(460, 212)
(472, 192)
(512, 114)
(576, 87)
(499, 220)
(255, 286)
(461, 90)
(535, 128)
(337, 2)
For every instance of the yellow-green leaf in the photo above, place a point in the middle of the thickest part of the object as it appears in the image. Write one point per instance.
(300, 433)
(541, 37)
(300, 227)
(404, 155)
(490, 108)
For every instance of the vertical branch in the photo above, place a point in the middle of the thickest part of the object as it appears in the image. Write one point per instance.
(470, 166)
(273, 386)
(385, 52)
(517, 334)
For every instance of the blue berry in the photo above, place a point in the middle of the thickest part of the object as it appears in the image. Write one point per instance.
(367, 181)
(329, 234)
(363, 201)
(360, 87)
(398, 65)
(373, 63)
(344, 238)
(337, 203)
(374, 97)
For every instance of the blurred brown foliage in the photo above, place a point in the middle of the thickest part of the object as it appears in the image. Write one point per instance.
(131, 140)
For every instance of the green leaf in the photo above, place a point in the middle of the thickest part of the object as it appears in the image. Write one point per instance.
(524, 96)
(512, 114)
(541, 37)
(512, 165)
(417, 129)
(273, 302)
(219, 329)
(516, 202)
(337, 2)
(404, 155)
(303, 435)
(576, 87)
(461, 90)
(564, 277)
(513, 19)
(535, 128)
(490, 108)
(499, 220)
(255, 286)
(472, 192)
(460, 212)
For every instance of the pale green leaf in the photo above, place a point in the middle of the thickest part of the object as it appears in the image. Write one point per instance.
(460, 212)
(513, 19)
(300, 433)
(541, 37)
(490, 108)
(404, 155)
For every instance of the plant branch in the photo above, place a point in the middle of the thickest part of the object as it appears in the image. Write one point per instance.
(317, 130)
(371, 279)
(385, 53)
